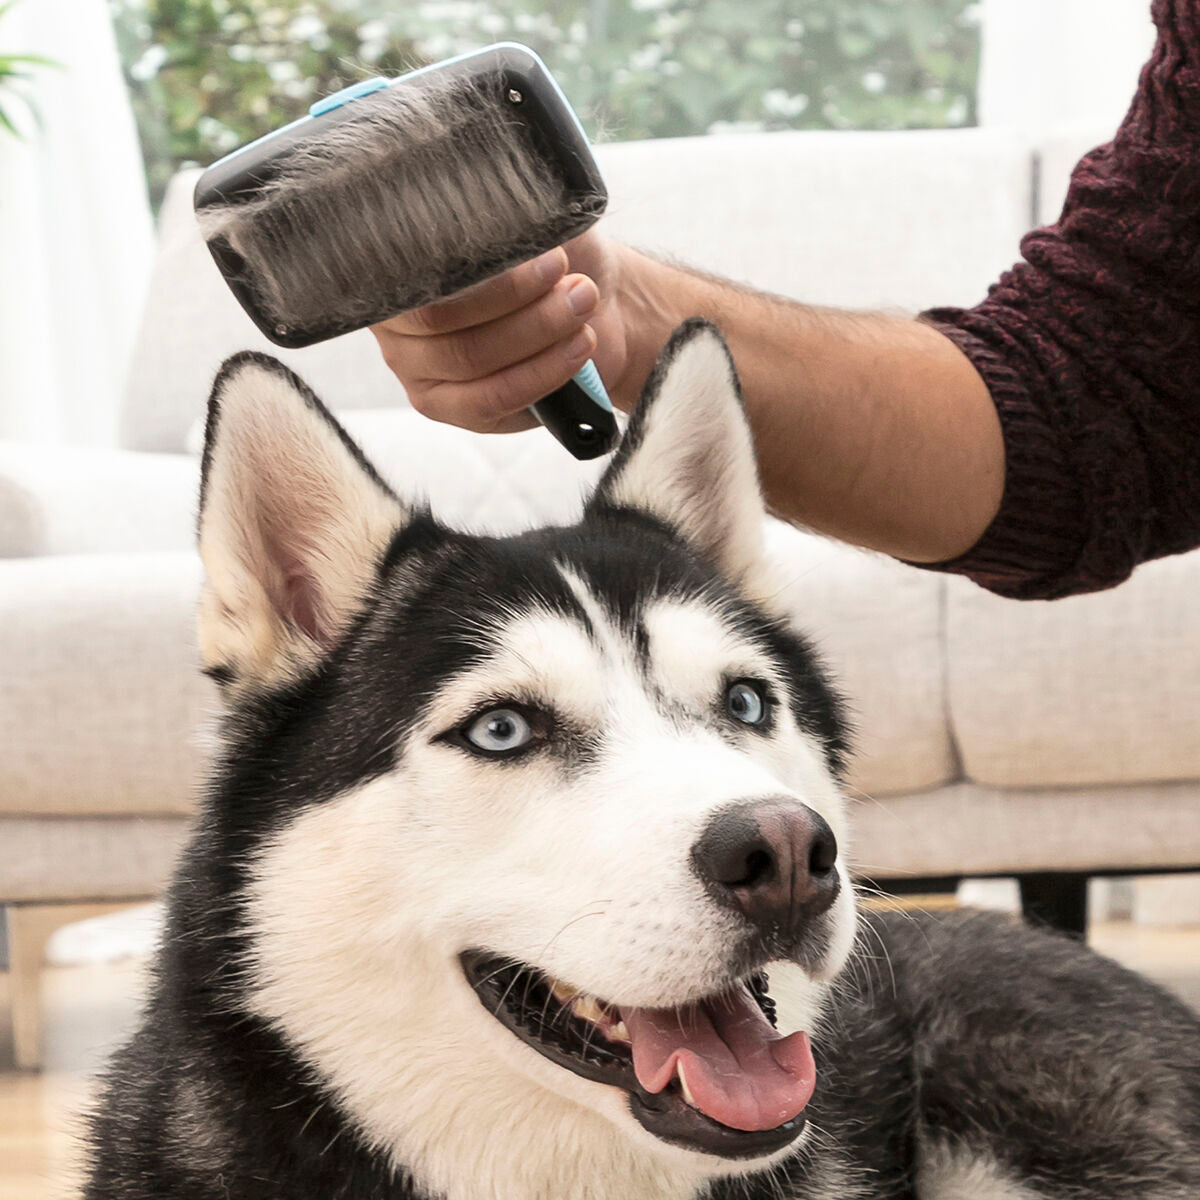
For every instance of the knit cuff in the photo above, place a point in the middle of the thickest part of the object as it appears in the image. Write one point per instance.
(1032, 548)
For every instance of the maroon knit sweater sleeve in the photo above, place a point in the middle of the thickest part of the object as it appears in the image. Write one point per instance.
(1091, 351)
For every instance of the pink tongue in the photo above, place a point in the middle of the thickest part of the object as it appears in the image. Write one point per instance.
(738, 1069)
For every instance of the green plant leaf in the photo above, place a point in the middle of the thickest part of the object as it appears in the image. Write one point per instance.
(20, 68)
(7, 122)
(32, 60)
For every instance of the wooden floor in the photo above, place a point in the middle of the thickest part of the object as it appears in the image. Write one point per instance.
(90, 1009)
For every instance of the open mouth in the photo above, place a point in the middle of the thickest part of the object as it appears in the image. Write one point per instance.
(712, 1076)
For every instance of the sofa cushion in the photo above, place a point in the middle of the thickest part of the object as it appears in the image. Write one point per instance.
(86, 858)
(76, 500)
(100, 696)
(854, 219)
(971, 829)
(1058, 154)
(1093, 689)
(877, 625)
(968, 829)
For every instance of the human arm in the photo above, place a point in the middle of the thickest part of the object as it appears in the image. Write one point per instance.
(871, 428)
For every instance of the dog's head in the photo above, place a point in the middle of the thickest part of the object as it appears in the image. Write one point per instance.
(529, 814)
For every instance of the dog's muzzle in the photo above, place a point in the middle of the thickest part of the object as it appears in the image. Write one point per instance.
(712, 1075)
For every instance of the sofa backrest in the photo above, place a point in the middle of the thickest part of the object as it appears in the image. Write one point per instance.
(1057, 155)
(902, 220)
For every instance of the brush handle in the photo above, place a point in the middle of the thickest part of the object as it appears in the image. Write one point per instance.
(580, 414)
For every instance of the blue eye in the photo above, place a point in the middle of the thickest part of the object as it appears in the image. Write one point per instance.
(745, 702)
(500, 731)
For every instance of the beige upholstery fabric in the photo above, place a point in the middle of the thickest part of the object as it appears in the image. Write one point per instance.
(471, 480)
(878, 626)
(966, 829)
(1094, 689)
(855, 219)
(86, 858)
(64, 500)
(100, 698)
(1058, 155)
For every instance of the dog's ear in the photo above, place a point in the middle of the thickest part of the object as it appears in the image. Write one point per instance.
(293, 525)
(688, 458)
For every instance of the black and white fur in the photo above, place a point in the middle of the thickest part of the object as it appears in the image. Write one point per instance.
(310, 1034)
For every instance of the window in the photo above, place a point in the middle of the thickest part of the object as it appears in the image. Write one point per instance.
(209, 75)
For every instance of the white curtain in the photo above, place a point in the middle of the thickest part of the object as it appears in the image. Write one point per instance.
(75, 232)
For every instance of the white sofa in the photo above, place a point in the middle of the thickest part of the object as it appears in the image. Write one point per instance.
(996, 738)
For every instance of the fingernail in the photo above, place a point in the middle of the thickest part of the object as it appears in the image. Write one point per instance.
(580, 346)
(582, 297)
(550, 267)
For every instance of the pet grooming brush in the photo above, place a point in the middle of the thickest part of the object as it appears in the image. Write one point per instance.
(394, 193)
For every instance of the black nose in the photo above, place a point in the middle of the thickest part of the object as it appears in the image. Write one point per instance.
(772, 860)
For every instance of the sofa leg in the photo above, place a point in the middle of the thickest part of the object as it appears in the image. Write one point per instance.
(1057, 900)
(30, 927)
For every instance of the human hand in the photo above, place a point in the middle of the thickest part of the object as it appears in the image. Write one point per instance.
(480, 358)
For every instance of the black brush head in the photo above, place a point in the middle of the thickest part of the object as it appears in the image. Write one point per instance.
(399, 196)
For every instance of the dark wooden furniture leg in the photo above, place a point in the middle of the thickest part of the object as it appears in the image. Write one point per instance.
(1056, 899)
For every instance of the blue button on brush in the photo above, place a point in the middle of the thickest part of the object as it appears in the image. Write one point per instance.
(354, 92)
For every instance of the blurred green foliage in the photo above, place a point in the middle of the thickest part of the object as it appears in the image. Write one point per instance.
(16, 73)
(209, 75)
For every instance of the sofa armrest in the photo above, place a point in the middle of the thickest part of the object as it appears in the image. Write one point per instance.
(72, 500)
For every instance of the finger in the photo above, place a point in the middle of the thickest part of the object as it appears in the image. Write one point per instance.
(517, 423)
(485, 301)
(490, 405)
(486, 349)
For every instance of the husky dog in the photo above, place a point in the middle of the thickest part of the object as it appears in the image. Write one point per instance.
(501, 838)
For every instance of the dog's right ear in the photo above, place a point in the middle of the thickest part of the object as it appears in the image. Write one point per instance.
(293, 525)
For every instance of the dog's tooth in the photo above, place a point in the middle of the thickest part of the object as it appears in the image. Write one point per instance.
(588, 1009)
(683, 1085)
(618, 1032)
(562, 993)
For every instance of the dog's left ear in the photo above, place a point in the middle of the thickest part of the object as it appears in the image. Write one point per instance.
(294, 523)
(688, 457)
